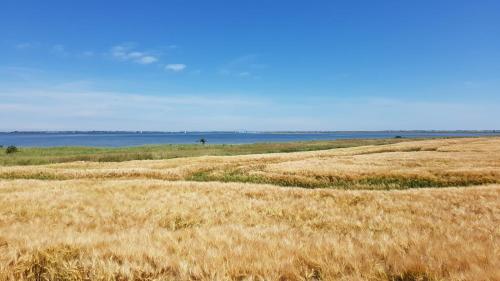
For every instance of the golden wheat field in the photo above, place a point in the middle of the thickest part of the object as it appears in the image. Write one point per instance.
(417, 210)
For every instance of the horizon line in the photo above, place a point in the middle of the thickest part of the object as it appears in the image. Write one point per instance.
(245, 131)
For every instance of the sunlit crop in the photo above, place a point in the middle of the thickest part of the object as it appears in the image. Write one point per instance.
(156, 220)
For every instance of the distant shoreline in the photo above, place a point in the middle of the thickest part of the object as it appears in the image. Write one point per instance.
(248, 132)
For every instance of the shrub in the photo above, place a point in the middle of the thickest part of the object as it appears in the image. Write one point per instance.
(11, 149)
(398, 137)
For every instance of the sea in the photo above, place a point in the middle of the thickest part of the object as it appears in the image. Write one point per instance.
(123, 139)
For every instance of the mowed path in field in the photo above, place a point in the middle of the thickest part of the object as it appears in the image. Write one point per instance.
(152, 220)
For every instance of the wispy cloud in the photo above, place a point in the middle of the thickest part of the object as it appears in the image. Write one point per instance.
(59, 50)
(123, 52)
(244, 66)
(87, 54)
(147, 60)
(244, 74)
(27, 45)
(473, 84)
(71, 106)
(127, 52)
(175, 67)
(77, 105)
(18, 72)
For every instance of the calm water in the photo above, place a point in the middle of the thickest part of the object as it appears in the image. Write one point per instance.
(132, 139)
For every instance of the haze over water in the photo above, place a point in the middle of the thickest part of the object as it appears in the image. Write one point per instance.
(134, 139)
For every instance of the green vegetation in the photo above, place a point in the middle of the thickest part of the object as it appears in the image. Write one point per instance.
(38, 156)
(11, 149)
(378, 182)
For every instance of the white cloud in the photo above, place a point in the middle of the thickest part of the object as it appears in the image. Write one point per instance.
(176, 67)
(127, 53)
(147, 60)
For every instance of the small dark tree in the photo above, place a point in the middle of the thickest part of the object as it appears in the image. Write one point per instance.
(11, 149)
(202, 141)
(398, 137)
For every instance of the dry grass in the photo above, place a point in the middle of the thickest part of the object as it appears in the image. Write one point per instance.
(124, 221)
(432, 163)
(156, 230)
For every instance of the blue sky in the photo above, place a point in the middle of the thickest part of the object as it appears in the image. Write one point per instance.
(249, 65)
